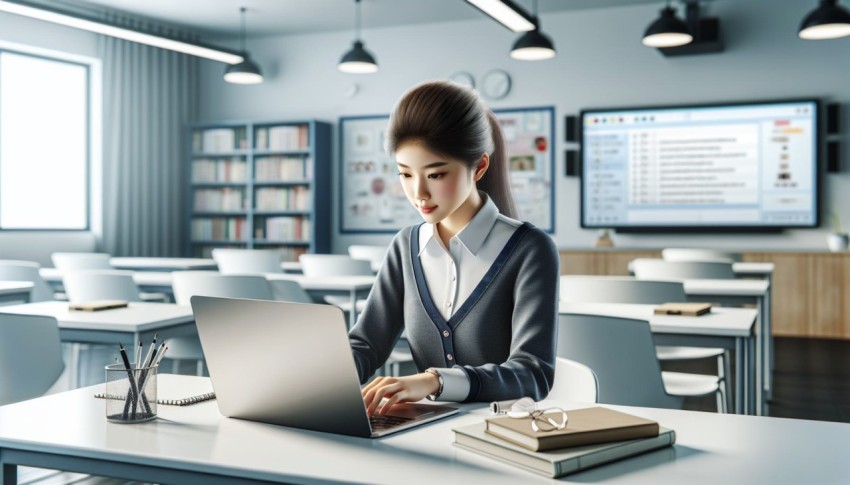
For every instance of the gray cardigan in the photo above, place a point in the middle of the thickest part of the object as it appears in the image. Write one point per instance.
(503, 336)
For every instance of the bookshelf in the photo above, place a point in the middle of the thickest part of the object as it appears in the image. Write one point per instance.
(260, 185)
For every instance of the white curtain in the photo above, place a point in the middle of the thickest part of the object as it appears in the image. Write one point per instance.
(149, 98)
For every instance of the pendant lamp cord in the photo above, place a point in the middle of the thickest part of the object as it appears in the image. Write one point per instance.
(242, 10)
(357, 19)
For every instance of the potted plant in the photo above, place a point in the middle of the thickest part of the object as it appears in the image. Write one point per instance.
(837, 240)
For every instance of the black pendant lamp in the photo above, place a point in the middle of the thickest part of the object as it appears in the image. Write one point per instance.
(247, 71)
(667, 31)
(533, 45)
(358, 60)
(828, 21)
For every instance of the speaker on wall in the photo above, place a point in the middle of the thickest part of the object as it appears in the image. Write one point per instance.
(573, 164)
(833, 112)
(571, 127)
(833, 157)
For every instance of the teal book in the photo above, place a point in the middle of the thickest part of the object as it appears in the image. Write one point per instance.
(560, 462)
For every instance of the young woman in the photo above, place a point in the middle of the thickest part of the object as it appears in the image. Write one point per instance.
(475, 289)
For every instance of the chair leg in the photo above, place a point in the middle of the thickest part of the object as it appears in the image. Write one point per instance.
(175, 366)
(724, 370)
(199, 368)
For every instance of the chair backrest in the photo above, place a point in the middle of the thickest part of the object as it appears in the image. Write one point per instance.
(619, 289)
(89, 285)
(75, 261)
(658, 269)
(374, 254)
(247, 261)
(694, 254)
(334, 265)
(30, 356)
(621, 353)
(187, 284)
(574, 382)
(13, 270)
(291, 291)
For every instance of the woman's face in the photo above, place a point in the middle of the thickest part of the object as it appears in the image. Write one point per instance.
(434, 185)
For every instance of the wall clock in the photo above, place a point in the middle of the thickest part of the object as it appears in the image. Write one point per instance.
(463, 78)
(496, 84)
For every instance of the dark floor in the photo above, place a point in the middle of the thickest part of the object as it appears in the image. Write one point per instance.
(811, 379)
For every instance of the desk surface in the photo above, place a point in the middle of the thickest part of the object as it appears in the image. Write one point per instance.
(173, 264)
(711, 448)
(15, 287)
(136, 317)
(737, 322)
(754, 288)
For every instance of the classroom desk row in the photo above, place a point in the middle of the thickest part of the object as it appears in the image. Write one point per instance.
(728, 328)
(195, 444)
(15, 292)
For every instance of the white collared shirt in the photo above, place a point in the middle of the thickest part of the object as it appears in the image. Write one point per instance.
(453, 273)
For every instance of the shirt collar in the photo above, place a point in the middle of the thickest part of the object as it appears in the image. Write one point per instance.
(473, 235)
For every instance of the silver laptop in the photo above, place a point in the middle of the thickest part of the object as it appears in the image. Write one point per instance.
(291, 364)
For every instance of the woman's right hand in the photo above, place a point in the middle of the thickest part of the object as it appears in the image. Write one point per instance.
(396, 390)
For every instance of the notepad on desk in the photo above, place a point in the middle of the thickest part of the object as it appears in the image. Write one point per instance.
(685, 309)
(98, 305)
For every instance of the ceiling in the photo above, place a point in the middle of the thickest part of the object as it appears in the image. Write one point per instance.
(220, 18)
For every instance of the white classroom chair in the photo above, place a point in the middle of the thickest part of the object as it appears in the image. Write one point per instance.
(13, 270)
(659, 269)
(76, 261)
(574, 382)
(374, 254)
(618, 289)
(627, 369)
(698, 254)
(247, 261)
(89, 285)
(30, 356)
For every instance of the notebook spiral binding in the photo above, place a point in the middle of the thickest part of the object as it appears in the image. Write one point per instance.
(188, 401)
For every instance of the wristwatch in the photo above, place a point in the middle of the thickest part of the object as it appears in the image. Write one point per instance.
(436, 373)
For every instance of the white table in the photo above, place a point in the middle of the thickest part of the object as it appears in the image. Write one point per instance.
(163, 264)
(15, 291)
(195, 444)
(320, 286)
(138, 322)
(737, 292)
(147, 280)
(729, 328)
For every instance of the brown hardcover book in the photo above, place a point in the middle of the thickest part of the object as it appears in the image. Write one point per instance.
(686, 309)
(584, 427)
(93, 306)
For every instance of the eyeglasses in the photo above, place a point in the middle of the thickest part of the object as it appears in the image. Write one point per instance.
(540, 421)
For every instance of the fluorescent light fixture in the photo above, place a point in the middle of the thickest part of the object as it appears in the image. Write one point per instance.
(506, 13)
(99, 27)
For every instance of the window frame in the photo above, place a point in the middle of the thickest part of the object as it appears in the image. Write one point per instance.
(89, 125)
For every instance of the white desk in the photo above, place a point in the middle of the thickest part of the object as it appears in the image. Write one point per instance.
(729, 328)
(147, 280)
(761, 270)
(163, 264)
(137, 322)
(194, 444)
(15, 291)
(320, 286)
(737, 292)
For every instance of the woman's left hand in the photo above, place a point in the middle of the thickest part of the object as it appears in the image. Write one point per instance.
(396, 390)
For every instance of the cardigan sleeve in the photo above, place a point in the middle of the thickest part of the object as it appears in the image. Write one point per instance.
(530, 367)
(380, 325)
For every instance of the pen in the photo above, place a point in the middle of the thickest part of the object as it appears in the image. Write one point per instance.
(161, 354)
(150, 351)
(139, 355)
(131, 398)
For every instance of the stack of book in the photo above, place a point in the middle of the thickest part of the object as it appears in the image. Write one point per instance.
(593, 436)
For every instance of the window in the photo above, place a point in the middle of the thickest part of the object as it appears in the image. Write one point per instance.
(44, 143)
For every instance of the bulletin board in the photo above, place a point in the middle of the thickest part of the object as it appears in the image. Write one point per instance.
(372, 200)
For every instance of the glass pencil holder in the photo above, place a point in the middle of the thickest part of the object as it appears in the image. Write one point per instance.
(130, 394)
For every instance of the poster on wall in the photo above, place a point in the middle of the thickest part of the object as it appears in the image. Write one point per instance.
(372, 200)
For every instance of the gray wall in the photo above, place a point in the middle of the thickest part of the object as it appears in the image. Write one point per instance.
(600, 63)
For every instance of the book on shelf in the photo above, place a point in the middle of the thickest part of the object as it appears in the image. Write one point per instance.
(584, 427)
(556, 463)
(690, 309)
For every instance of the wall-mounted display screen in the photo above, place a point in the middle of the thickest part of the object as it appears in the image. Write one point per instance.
(735, 166)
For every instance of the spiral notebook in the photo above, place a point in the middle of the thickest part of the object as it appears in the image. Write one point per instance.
(185, 393)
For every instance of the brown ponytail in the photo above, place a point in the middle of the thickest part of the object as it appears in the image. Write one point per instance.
(452, 121)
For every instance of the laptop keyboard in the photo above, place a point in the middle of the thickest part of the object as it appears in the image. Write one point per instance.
(380, 423)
